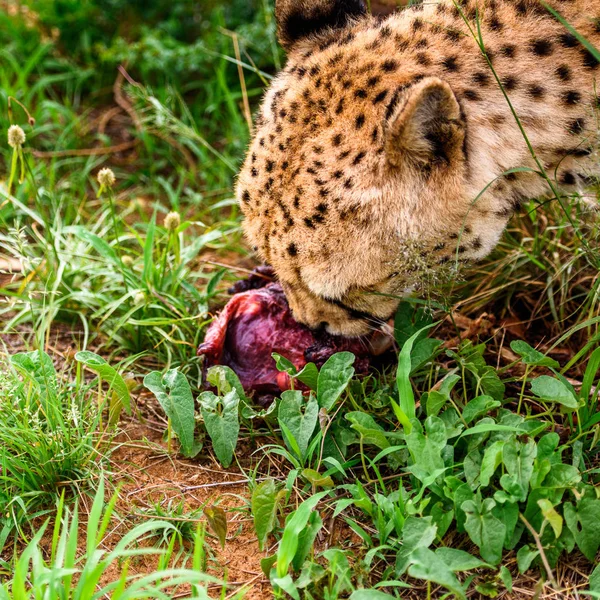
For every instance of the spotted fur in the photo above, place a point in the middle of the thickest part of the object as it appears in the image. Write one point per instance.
(383, 135)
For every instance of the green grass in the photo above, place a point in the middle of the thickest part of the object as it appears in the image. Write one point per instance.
(457, 470)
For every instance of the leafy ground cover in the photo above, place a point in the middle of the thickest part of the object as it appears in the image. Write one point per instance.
(465, 466)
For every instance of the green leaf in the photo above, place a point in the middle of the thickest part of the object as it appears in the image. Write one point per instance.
(334, 377)
(418, 532)
(264, 509)
(479, 407)
(459, 560)
(550, 514)
(405, 392)
(284, 365)
(584, 524)
(315, 478)
(222, 423)
(217, 520)
(532, 357)
(492, 459)
(371, 595)
(426, 450)
(551, 389)
(485, 529)
(427, 565)
(369, 430)
(506, 578)
(562, 476)
(436, 399)
(174, 394)
(38, 367)
(295, 523)
(485, 427)
(518, 459)
(225, 380)
(309, 376)
(299, 417)
(595, 580)
(306, 539)
(108, 374)
(525, 556)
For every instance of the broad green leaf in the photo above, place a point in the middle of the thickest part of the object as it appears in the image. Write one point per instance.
(306, 539)
(485, 529)
(217, 520)
(422, 352)
(369, 430)
(299, 417)
(295, 523)
(309, 376)
(225, 380)
(595, 580)
(478, 407)
(264, 509)
(287, 584)
(551, 389)
(427, 565)
(109, 375)
(426, 449)
(506, 578)
(518, 459)
(334, 377)
(315, 478)
(38, 367)
(492, 459)
(417, 532)
(436, 399)
(222, 423)
(459, 560)
(562, 476)
(532, 357)
(584, 523)
(550, 514)
(525, 556)
(284, 365)
(174, 394)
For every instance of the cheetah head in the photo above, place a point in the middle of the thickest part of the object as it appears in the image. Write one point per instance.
(355, 161)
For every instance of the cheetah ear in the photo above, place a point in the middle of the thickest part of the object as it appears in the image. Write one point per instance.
(297, 19)
(428, 129)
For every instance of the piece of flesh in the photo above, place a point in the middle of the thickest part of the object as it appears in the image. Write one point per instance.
(258, 322)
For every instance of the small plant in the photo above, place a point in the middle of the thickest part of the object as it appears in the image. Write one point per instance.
(49, 440)
(63, 571)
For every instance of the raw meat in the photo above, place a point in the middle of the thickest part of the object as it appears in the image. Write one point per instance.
(255, 323)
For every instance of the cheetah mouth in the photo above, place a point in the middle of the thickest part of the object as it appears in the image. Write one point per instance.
(258, 322)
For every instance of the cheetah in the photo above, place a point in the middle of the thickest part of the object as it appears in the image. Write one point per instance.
(426, 129)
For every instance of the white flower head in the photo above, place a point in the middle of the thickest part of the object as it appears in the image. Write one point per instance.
(172, 221)
(139, 298)
(106, 177)
(16, 136)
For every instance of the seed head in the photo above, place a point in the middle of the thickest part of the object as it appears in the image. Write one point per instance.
(172, 221)
(16, 136)
(127, 260)
(139, 298)
(106, 178)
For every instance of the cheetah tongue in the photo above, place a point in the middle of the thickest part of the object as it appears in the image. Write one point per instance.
(258, 322)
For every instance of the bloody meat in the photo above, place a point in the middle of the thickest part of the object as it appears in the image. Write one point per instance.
(256, 322)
